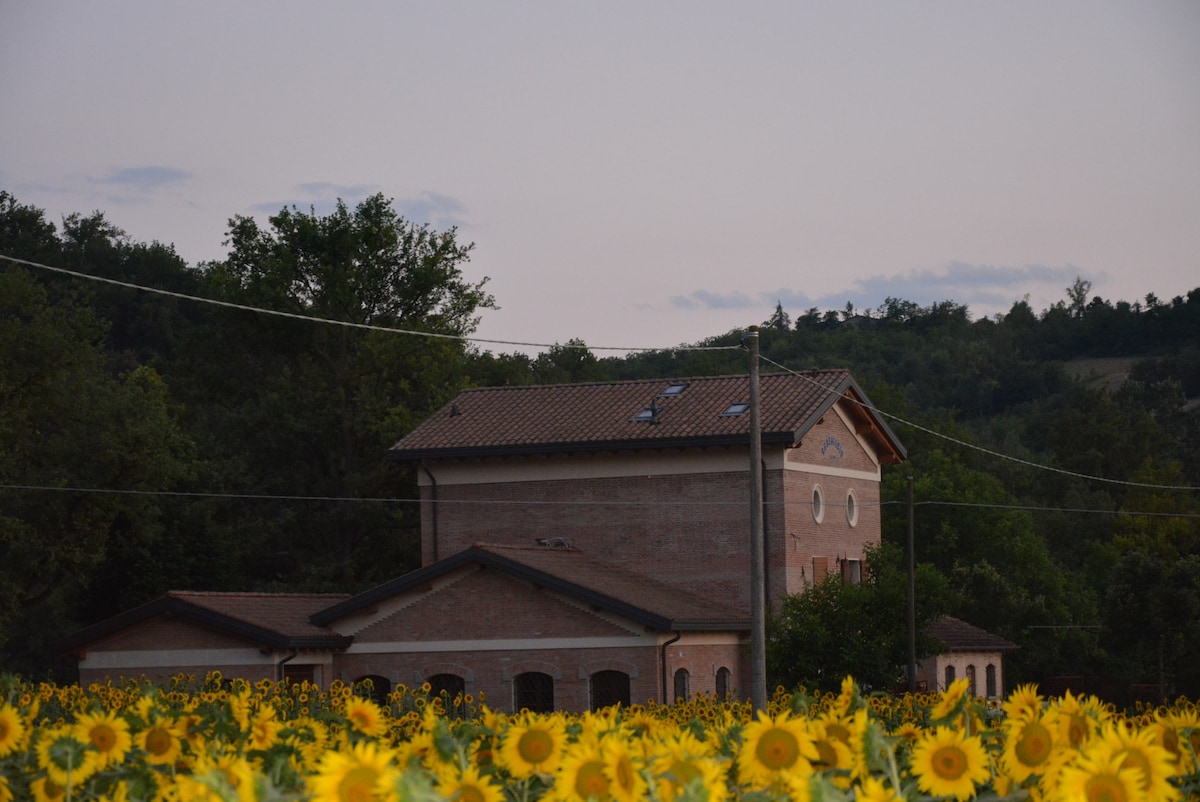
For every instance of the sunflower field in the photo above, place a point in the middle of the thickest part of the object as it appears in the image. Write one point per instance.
(233, 741)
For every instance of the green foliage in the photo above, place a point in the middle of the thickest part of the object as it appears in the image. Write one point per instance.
(106, 387)
(837, 628)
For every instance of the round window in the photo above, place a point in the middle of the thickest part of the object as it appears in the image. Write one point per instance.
(851, 508)
(818, 504)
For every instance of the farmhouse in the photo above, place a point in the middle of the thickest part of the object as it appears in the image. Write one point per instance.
(581, 545)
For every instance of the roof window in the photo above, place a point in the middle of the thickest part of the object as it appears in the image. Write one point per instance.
(733, 410)
(673, 389)
(648, 415)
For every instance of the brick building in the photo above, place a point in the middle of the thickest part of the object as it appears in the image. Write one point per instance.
(581, 544)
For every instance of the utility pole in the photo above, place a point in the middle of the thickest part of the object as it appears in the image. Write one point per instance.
(758, 602)
(912, 597)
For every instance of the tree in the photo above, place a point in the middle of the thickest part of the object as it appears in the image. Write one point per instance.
(67, 428)
(291, 407)
(837, 628)
(779, 320)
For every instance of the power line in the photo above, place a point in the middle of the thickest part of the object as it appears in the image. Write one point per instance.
(348, 324)
(981, 449)
(561, 503)
(410, 332)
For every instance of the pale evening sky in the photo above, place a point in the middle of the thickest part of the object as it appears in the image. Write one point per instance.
(642, 173)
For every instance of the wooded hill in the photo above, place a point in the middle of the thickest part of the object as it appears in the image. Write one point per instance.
(150, 442)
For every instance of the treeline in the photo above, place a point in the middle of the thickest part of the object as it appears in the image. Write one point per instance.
(149, 442)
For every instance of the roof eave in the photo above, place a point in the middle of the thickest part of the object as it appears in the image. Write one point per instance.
(740, 439)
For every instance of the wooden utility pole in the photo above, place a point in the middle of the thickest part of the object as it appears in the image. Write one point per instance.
(912, 597)
(758, 602)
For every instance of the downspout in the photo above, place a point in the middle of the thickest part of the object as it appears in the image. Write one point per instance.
(766, 542)
(433, 518)
(678, 635)
(279, 666)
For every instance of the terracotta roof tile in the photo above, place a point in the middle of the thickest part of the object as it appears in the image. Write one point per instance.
(574, 574)
(959, 636)
(575, 567)
(601, 415)
(284, 613)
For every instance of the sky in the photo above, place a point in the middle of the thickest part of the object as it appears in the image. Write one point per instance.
(641, 174)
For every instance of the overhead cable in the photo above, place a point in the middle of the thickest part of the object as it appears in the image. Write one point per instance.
(348, 324)
(979, 448)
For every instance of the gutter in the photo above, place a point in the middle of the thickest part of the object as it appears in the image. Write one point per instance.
(663, 657)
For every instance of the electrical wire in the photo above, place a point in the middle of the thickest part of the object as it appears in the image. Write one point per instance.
(348, 324)
(410, 332)
(981, 449)
(582, 503)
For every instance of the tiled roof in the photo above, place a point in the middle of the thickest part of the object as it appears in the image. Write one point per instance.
(275, 620)
(285, 613)
(599, 416)
(574, 574)
(959, 636)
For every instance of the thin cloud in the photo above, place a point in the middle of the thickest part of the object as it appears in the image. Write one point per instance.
(984, 289)
(433, 208)
(320, 196)
(701, 300)
(145, 178)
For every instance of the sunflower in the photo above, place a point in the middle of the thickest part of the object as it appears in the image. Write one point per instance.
(162, 743)
(582, 775)
(358, 774)
(365, 717)
(225, 773)
(65, 759)
(468, 785)
(108, 734)
(46, 790)
(6, 793)
(1138, 750)
(872, 789)
(12, 730)
(1028, 747)
(263, 729)
(773, 747)
(1077, 718)
(952, 701)
(685, 766)
(533, 745)
(1100, 777)
(947, 762)
(1172, 729)
(623, 767)
(833, 752)
(1025, 700)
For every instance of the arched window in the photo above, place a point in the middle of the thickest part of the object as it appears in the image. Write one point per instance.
(989, 677)
(533, 691)
(949, 676)
(380, 687)
(681, 685)
(449, 685)
(971, 679)
(722, 684)
(609, 688)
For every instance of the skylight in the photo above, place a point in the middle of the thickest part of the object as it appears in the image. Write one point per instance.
(647, 415)
(733, 410)
(673, 390)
